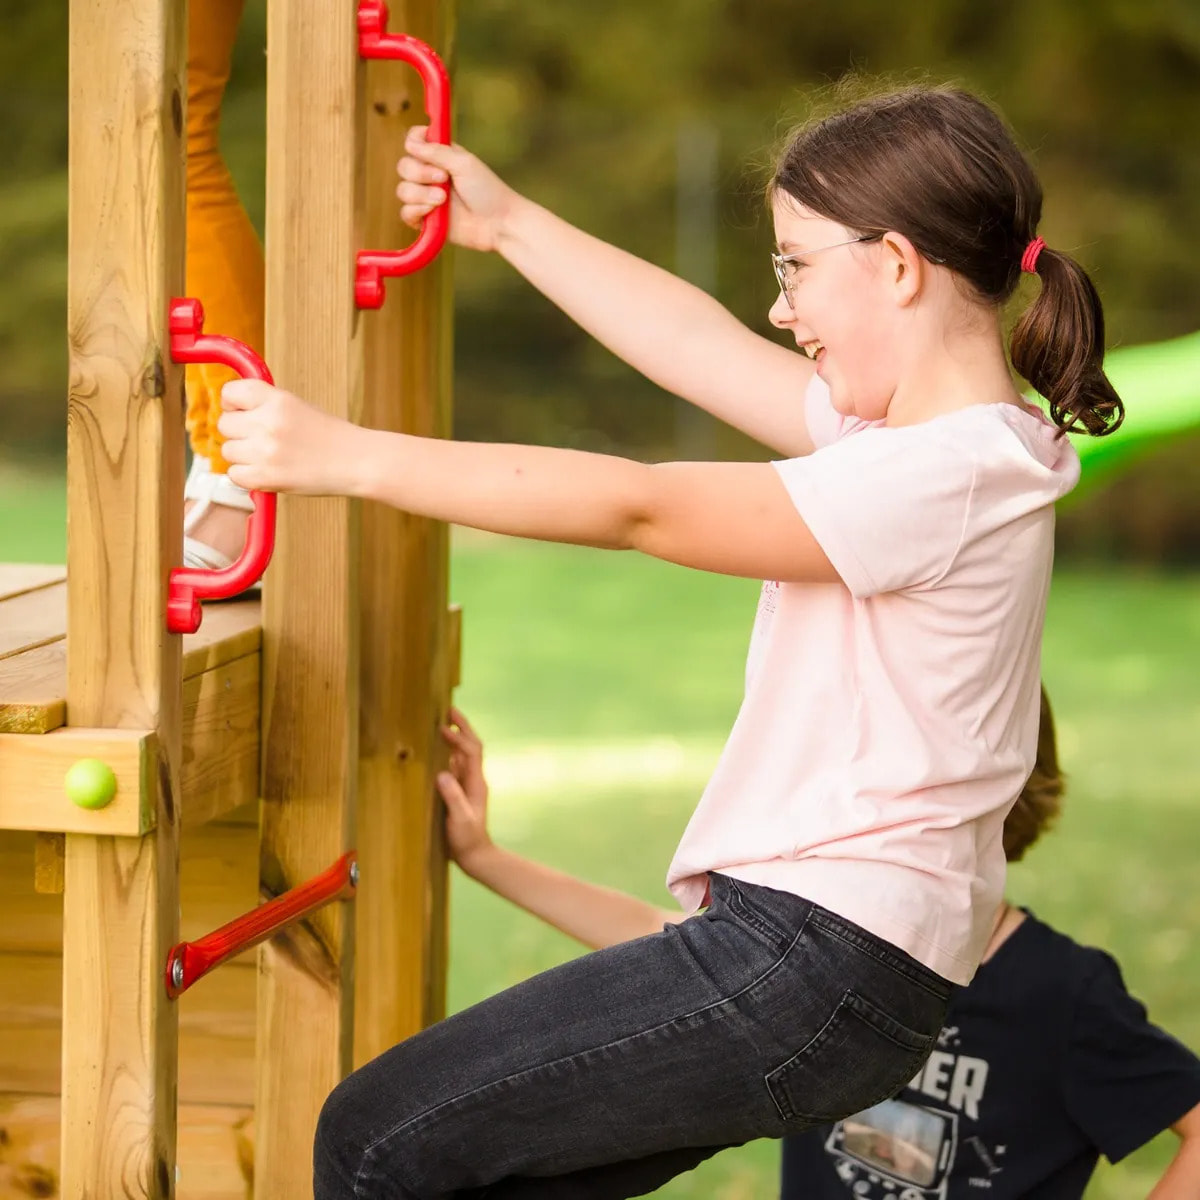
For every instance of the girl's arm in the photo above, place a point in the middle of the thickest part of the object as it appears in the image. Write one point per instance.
(731, 518)
(672, 332)
(1181, 1180)
(597, 916)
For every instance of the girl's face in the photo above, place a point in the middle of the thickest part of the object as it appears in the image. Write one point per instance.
(842, 311)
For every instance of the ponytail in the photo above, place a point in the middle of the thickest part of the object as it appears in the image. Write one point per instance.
(1058, 345)
(940, 166)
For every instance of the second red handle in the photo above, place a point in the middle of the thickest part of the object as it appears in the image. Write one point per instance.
(372, 267)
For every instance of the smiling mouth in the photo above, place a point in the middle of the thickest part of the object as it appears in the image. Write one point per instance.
(811, 349)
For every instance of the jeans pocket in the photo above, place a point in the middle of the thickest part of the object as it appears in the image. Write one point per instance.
(860, 1056)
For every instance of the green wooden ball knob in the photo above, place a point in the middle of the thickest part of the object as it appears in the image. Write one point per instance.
(90, 783)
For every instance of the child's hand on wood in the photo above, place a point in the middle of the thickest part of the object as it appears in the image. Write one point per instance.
(465, 791)
(276, 442)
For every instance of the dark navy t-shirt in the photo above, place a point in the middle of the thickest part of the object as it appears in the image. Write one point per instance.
(1045, 1063)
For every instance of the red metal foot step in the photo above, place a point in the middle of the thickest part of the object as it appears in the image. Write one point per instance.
(189, 961)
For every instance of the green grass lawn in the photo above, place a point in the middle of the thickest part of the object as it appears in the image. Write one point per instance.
(604, 684)
(566, 647)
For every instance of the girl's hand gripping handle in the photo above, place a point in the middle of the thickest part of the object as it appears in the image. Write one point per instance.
(373, 266)
(187, 586)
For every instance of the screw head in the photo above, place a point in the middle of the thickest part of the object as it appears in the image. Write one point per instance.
(354, 873)
(177, 973)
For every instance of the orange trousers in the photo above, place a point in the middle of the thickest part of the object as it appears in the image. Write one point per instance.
(224, 254)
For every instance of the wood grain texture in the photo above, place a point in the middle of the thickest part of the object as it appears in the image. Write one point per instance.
(400, 979)
(50, 863)
(216, 1150)
(218, 880)
(33, 682)
(16, 578)
(33, 768)
(310, 613)
(34, 617)
(216, 1031)
(33, 689)
(124, 532)
(221, 739)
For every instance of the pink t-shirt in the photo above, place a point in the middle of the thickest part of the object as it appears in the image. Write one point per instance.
(890, 721)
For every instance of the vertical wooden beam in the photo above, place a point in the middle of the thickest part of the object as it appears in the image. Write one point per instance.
(310, 612)
(124, 487)
(406, 672)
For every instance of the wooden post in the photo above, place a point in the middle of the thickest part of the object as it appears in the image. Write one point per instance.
(125, 488)
(310, 614)
(406, 668)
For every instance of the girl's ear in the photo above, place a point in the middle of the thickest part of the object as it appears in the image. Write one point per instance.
(903, 266)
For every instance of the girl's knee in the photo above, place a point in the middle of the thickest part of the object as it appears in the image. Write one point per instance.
(342, 1166)
(337, 1146)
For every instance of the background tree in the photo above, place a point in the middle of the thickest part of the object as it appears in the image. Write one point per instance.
(653, 126)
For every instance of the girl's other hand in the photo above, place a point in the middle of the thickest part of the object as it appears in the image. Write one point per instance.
(275, 442)
(465, 791)
(479, 200)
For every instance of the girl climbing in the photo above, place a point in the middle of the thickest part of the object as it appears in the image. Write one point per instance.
(845, 861)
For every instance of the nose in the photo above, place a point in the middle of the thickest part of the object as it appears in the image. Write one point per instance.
(780, 313)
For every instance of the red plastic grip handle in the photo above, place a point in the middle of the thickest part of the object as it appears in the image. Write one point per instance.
(373, 266)
(189, 961)
(187, 586)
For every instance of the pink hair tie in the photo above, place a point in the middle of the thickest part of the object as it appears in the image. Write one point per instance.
(1030, 257)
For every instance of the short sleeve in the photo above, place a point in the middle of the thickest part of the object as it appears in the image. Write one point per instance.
(1125, 1080)
(889, 506)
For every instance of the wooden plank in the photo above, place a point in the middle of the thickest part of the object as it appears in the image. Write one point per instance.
(218, 880)
(216, 1030)
(310, 614)
(406, 632)
(33, 683)
(33, 689)
(124, 532)
(32, 770)
(32, 919)
(230, 630)
(28, 1147)
(221, 713)
(50, 863)
(16, 578)
(216, 1149)
(216, 1152)
(33, 618)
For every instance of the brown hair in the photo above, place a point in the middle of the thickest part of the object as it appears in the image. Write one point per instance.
(1040, 801)
(939, 166)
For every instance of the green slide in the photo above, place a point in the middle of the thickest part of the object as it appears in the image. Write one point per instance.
(1160, 385)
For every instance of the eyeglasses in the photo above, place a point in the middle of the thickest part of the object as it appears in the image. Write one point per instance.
(781, 263)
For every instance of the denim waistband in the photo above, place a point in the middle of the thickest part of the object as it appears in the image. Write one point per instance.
(785, 913)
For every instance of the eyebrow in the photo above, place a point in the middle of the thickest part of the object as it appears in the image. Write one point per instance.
(789, 248)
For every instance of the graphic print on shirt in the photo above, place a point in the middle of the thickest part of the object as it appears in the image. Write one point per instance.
(907, 1149)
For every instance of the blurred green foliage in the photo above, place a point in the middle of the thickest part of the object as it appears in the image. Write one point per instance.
(586, 108)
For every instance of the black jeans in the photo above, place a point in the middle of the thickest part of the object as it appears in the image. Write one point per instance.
(611, 1074)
